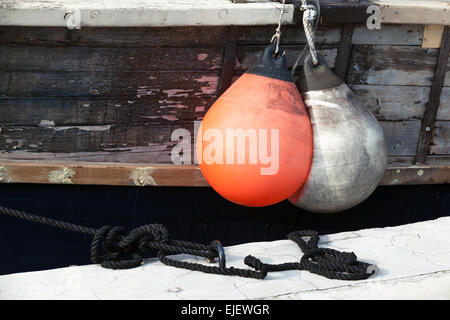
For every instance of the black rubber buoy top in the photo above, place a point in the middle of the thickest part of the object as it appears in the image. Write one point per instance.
(271, 65)
(316, 77)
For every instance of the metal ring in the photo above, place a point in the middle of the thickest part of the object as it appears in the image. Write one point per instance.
(218, 245)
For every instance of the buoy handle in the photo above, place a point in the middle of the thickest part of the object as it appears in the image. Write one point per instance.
(272, 64)
(316, 77)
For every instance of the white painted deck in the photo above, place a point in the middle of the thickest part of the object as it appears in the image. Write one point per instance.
(414, 260)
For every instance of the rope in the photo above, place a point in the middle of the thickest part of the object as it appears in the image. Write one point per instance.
(114, 248)
(276, 37)
(326, 262)
(311, 15)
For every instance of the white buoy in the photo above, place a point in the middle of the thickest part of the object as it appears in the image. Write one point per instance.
(349, 155)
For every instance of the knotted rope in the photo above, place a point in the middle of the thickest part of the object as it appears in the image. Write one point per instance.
(326, 262)
(311, 16)
(277, 35)
(114, 248)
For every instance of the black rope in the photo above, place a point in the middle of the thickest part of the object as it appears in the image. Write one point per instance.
(326, 262)
(114, 248)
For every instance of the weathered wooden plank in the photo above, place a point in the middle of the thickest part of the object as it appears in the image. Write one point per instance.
(25, 58)
(429, 116)
(394, 102)
(409, 161)
(137, 13)
(114, 143)
(82, 138)
(249, 55)
(392, 65)
(152, 153)
(136, 85)
(101, 174)
(412, 12)
(401, 137)
(145, 174)
(114, 37)
(159, 37)
(31, 111)
(447, 75)
(229, 58)
(440, 140)
(4, 82)
(102, 111)
(344, 51)
(418, 174)
(389, 34)
(432, 36)
(444, 105)
(129, 13)
(291, 35)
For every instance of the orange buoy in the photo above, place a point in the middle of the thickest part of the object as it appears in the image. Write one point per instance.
(254, 145)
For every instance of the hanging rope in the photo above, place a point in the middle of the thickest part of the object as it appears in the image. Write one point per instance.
(311, 17)
(276, 37)
(114, 248)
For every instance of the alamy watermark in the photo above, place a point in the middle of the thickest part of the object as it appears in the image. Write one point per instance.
(374, 20)
(230, 146)
(73, 19)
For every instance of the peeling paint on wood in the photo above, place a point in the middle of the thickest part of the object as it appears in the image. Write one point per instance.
(116, 94)
(108, 84)
(63, 175)
(143, 177)
(100, 111)
(4, 177)
(84, 128)
(46, 123)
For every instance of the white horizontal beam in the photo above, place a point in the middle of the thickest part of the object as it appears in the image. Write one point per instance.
(132, 13)
(414, 11)
(167, 13)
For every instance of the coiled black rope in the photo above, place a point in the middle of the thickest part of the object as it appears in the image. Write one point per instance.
(326, 262)
(114, 248)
